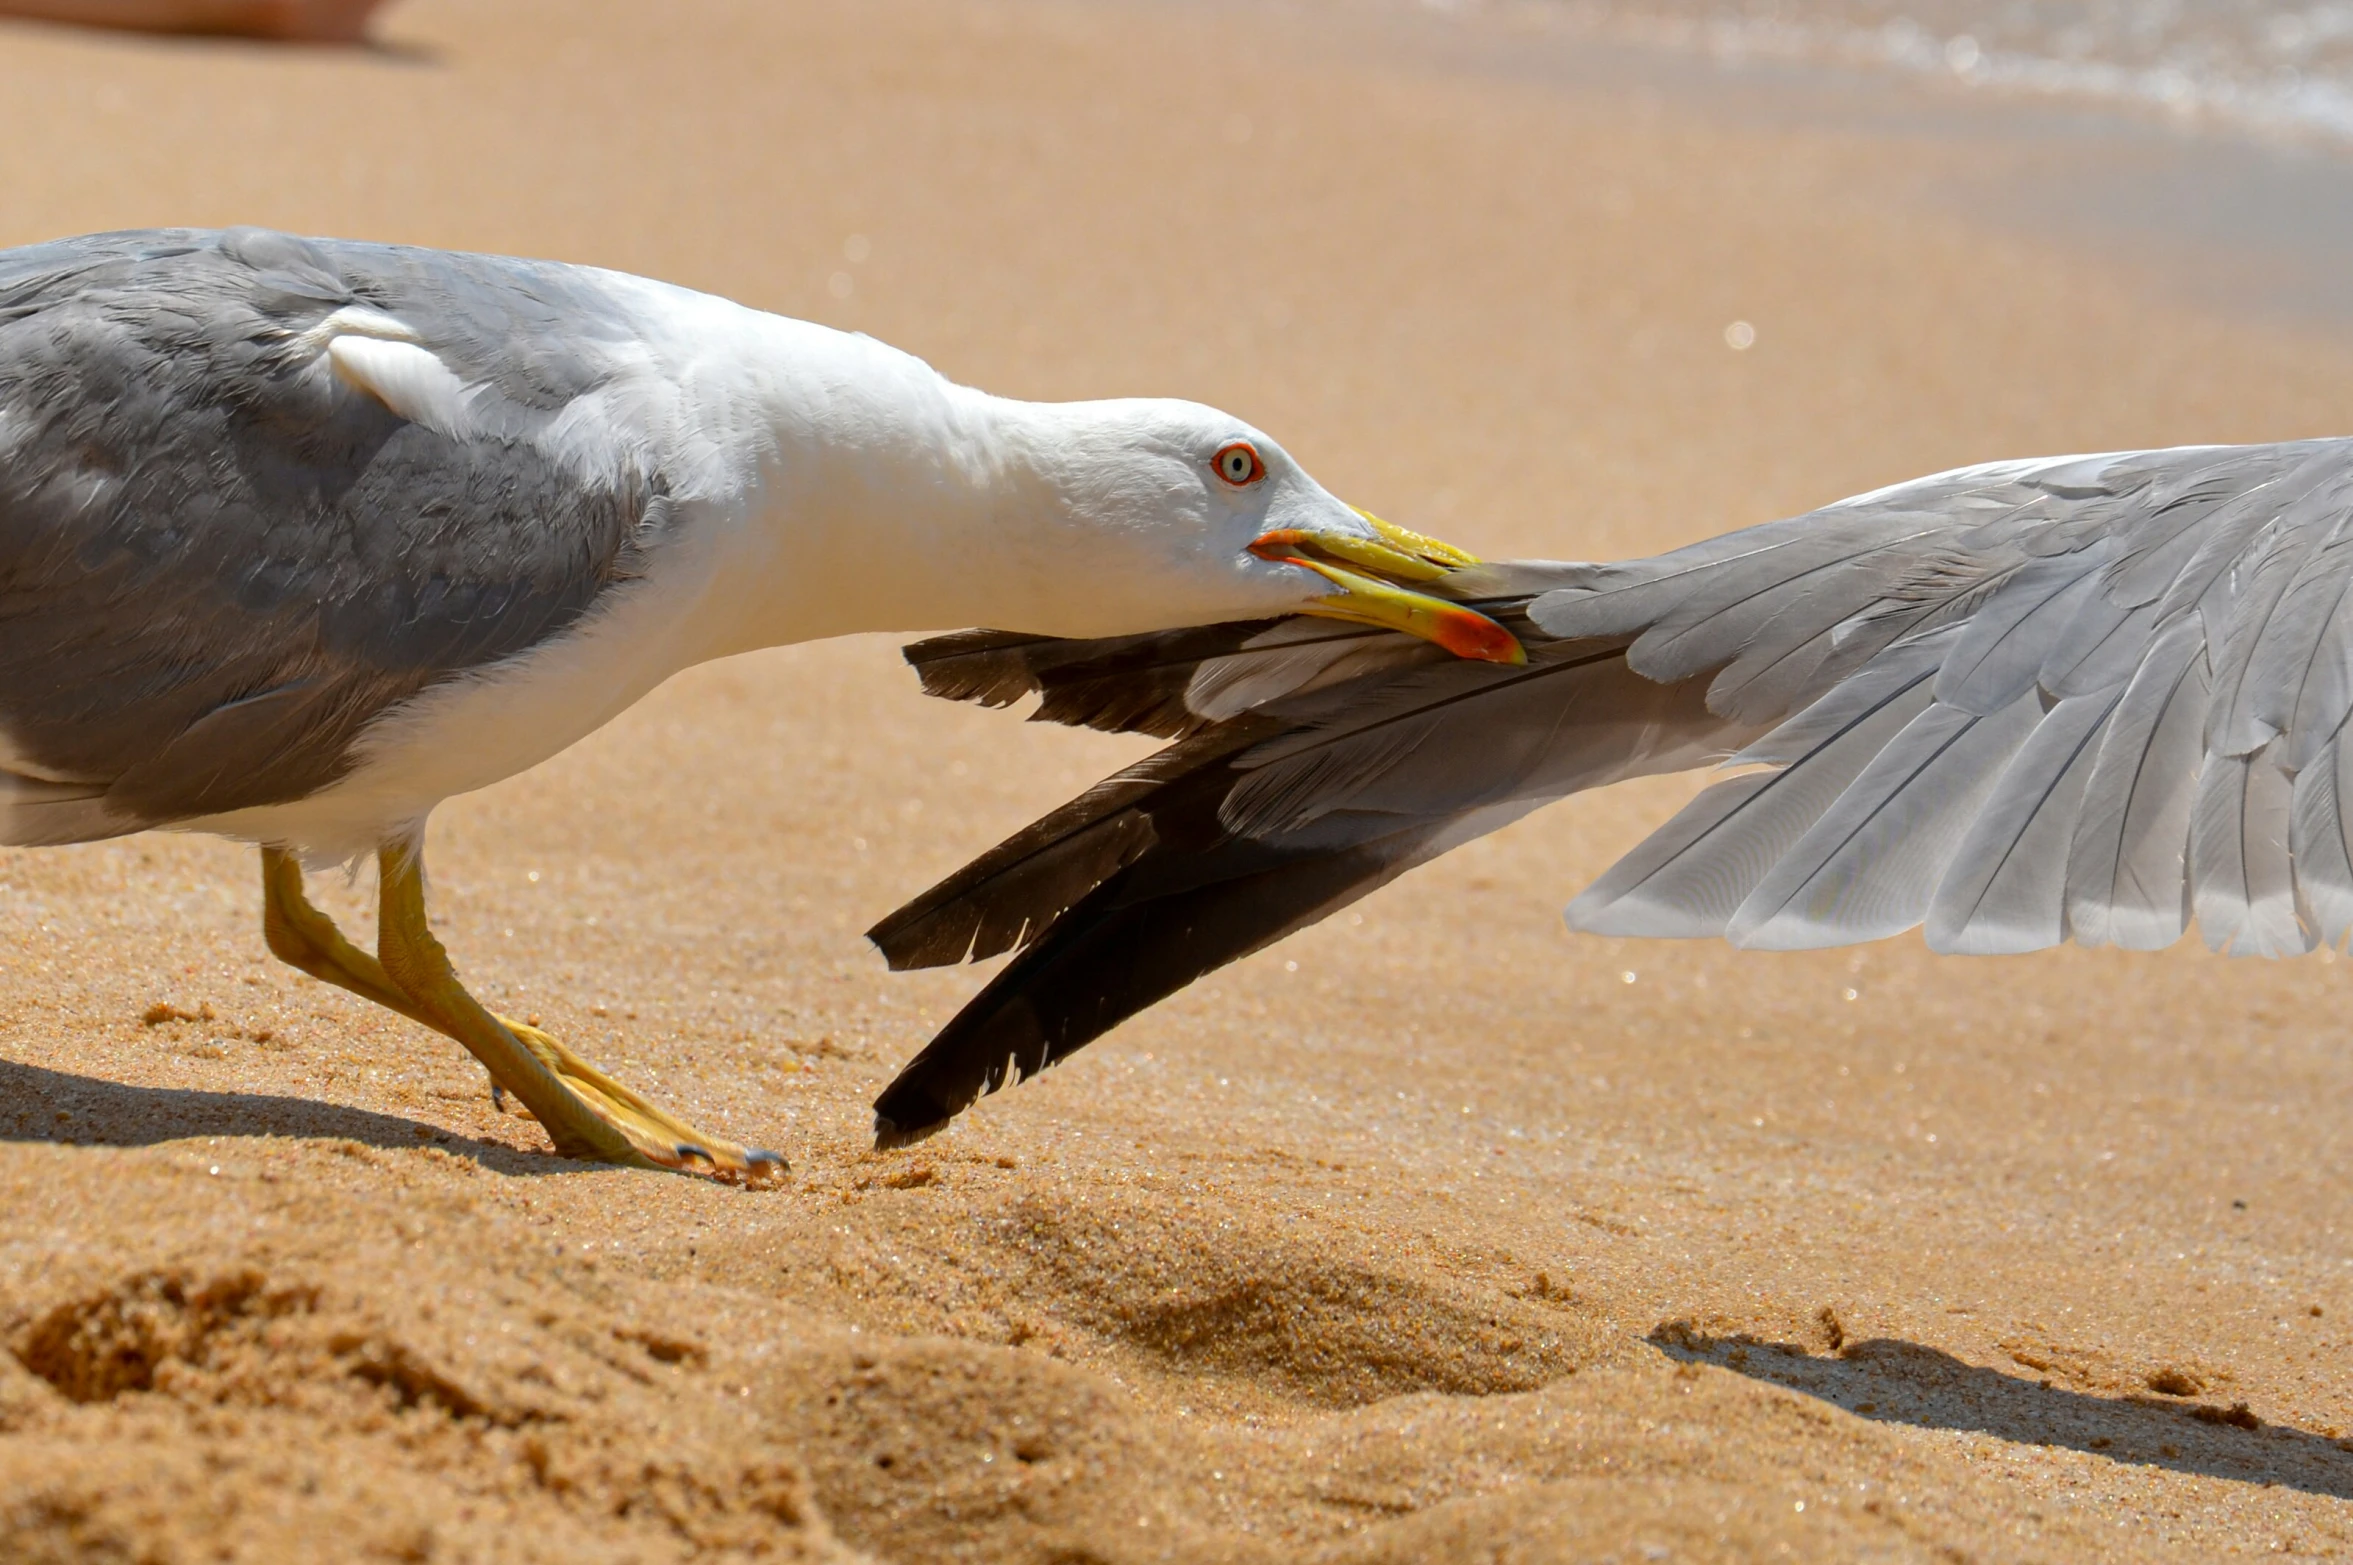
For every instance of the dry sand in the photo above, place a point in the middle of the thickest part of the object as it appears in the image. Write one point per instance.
(1434, 1234)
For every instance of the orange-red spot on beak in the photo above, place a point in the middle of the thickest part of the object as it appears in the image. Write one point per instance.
(1467, 633)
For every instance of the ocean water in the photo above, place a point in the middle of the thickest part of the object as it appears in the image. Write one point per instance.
(2273, 69)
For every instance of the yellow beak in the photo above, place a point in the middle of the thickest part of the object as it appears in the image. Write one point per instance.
(1372, 593)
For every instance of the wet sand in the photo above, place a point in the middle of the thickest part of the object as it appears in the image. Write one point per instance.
(1433, 1234)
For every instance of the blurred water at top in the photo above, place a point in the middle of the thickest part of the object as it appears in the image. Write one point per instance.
(2253, 65)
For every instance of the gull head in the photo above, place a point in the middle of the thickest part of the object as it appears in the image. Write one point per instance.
(1158, 513)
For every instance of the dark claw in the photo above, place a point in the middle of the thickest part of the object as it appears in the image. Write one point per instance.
(689, 1149)
(762, 1166)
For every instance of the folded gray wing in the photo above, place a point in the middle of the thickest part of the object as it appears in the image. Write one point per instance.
(220, 559)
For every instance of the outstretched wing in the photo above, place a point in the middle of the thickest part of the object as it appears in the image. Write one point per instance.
(256, 490)
(2089, 698)
(2080, 716)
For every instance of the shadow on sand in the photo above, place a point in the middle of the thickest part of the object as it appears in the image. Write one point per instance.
(47, 1105)
(1896, 1382)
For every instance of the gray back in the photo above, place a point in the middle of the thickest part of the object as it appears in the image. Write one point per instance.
(218, 564)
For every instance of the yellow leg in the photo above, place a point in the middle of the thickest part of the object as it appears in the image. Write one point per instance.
(303, 937)
(586, 1113)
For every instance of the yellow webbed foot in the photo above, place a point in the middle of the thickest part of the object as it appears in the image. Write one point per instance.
(655, 1134)
(586, 1113)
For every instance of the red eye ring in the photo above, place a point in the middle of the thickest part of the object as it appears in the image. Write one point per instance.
(1238, 464)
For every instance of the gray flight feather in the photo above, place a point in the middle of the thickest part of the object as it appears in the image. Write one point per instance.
(2125, 868)
(2002, 650)
(2319, 844)
(2098, 647)
(2299, 675)
(1869, 866)
(1690, 876)
(2179, 505)
(2243, 886)
(2007, 887)
(2272, 627)
(218, 565)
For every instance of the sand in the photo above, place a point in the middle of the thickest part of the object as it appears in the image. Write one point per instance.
(1434, 1234)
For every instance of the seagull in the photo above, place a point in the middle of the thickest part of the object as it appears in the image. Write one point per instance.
(2088, 698)
(299, 537)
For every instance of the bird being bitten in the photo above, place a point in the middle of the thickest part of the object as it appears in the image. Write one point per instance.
(2083, 698)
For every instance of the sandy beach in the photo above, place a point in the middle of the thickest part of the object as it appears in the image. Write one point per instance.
(1433, 1234)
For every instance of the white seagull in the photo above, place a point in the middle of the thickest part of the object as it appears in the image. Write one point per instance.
(299, 537)
(2088, 698)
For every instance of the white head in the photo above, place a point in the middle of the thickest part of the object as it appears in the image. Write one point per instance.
(898, 500)
(1143, 514)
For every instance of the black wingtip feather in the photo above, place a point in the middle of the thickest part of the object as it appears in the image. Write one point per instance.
(1124, 948)
(1399, 768)
(1119, 684)
(984, 666)
(1002, 899)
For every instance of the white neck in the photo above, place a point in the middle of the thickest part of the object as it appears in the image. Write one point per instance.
(856, 489)
(832, 485)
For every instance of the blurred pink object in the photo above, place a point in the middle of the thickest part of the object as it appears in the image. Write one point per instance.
(305, 21)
